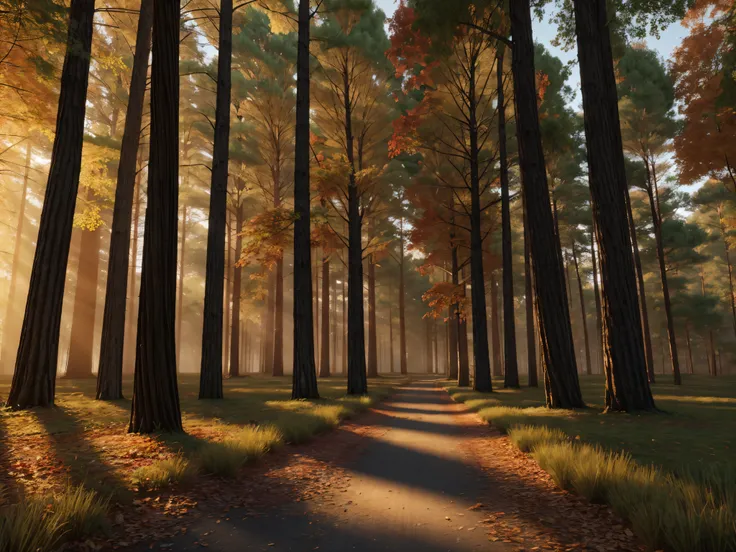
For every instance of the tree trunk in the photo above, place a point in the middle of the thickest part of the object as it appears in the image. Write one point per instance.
(372, 338)
(344, 363)
(657, 221)
(85, 305)
(642, 292)
(482, 381)
(333, 348)
(133, 285)
(180, 286)
(596, 291)
(562, 387)
(391, 339)
(324, 366)
(463, 369)
(428, 346)
(402, 305)
(452, 321)
(691, 366)
(34, 379)
(237, 286)
(304, 379)
(531, 342)
(584, 318)
(495, 329)
(511, 366)
(112, 343)
(10, 322)
(210, 379)
(627, 387)
(155, 393)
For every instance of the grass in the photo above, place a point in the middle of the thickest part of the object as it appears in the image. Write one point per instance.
(56, 463)
(40, 523)
(673, 475)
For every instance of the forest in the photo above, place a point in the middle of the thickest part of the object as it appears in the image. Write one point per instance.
(478, 239)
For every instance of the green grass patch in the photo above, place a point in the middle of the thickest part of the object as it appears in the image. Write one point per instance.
(227, 457)
(162, 473)
(673, 475)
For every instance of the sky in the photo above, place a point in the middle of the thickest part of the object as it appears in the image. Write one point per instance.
(544, 32)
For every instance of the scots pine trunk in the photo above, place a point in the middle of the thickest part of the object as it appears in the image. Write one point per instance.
(495, 329)
(304, 379)
(562, 387)
(324, 366)
(133, 285)
(463, 367)
(391, 339)
(85, 305)
(34, 378)
(531, 342)
(596, 292)
(210, 378)
(584, 318)
(627, 387)
(112, 343)
(657, 222)
(180, 285)
(648, 349)
(372, 338)
(511, 372)
(237, 286)
(402, 306)
(452, 319)
(691, 367)
(155, 393)
(482, 381)
(10, 322)
(277, 355)
(269, 342)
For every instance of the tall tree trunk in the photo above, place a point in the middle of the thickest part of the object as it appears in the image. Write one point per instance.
(436, 346)
(344, 360)
(402, 305)
(277, 357)
(531, 342)
(583, 316)
(372, 338)
(511, 371)
(269, 347)
(333, 318)
(155, 393)
(428, 345)
(304, 379)
(10, 322)
(324, 366)
(657, 221)
(495, 329)
(210, 379)
(85, 304)
(562, 387)
(237, 286)
(133, 285)
(452, 319)
(627, 387)
(463, 367)
(391, 338)
(34, 379)
(648, 349)
(598, 316)
(180, 286)
(112, 342)
(691, 366)
(482, 380)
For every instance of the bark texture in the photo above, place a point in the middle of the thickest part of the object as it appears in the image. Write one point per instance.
(324, 365)
(112, 343)
(34, 378)
(155, 393)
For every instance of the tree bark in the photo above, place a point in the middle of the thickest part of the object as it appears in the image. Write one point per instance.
(402, 305)
(112, 342)
(596, 291)
(324, 366)
(562, 388)
(133, 285)
(648, 349)
(482, 381)
(391, 339)
(227, 296)
(657, 221)
(155, 393)
(10, 322)
(463, 370)
(531, 341)
(85, 305)
(372, 338)
(583, 316)
(34, 378)
(304, 379)
(452, 320)
(210, 379)
(691, 366)
(627, 387)
(237, 286)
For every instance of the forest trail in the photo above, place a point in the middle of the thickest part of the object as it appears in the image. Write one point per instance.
(418, 472)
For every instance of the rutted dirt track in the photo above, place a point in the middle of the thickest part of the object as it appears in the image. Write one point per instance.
(418, 472)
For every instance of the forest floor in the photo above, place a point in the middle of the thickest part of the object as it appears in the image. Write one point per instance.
(417, 472)
(696, 428)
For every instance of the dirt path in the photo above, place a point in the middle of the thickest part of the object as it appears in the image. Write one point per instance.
(417, 473)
